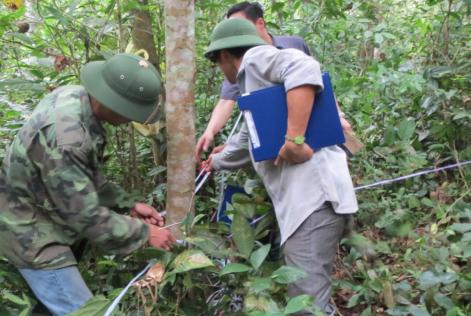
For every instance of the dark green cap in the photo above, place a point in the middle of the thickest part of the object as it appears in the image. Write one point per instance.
(126, 84)
(232, 33)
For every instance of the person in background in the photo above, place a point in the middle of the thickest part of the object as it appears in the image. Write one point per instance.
(253, 12)
(312, 192)
(52, 189)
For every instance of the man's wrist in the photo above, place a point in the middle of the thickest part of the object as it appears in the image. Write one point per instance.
(298, 140)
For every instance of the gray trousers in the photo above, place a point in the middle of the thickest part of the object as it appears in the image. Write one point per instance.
(312, 248)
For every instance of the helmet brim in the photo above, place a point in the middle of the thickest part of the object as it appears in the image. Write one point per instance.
(91, 77)
(234, 42)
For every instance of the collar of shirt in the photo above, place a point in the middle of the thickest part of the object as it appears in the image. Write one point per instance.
(275, 42)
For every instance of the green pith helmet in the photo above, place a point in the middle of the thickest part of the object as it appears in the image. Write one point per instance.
(126, 84)
(232, 33)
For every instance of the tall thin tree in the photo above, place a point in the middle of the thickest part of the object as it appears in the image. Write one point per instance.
(179, 106)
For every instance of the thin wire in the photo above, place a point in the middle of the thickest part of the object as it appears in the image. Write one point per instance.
(412, 175)
(118, 298)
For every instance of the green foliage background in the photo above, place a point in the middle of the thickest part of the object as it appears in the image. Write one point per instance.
(402, 73)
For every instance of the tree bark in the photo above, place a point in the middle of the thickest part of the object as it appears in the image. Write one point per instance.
(142, 35)
(143, 38)
(179, 107)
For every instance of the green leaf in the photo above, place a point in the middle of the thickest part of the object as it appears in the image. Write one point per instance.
(258, 256)
(258, 285)
(378, 38)
(241, 198)
(260, 303)
(461, 227)
(406, 129)
(94, 307)
(443, 301)
(429, 279)
(190, 260)
(367, 312)
(197, 219)
(26, 312)
(14, 299)
(299, 303)
(353, 301)
(418, 311)
(234, 268)
(389, 136)
(211, 244)
(286, 275)
(242, 234)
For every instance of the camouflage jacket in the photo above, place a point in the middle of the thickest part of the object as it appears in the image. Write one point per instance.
(52, 192)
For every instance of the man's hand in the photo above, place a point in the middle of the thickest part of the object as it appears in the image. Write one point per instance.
(206, 140)
(160, 238)
(147, 213)
(293, 153)
(221, 114)
(207, 165)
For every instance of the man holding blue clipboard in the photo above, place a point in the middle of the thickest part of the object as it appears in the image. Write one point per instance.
(312, 192)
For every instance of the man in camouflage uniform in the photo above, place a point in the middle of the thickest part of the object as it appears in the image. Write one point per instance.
(52, 191)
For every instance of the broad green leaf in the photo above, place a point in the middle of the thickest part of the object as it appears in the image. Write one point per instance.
(461, 227)
(259, 256)
(378, 38)
(190, 260)
(455, 311)
(258, 285)
(260, 303)
(353, 301)
(298, 303)
(406, 129)
(429, 279)
(286, 275)
(95, 307)
(367, 312)
(389, 136)
(211, 244)
(241, 198)
(418, 311)
(443, 300)
(234, 268)
(247, 209)
(243, 234)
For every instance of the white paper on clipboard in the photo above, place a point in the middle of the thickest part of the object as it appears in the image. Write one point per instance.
(252, 130)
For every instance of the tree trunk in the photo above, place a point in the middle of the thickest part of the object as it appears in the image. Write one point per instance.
(142, 35)
(143, 38)
(179, 106)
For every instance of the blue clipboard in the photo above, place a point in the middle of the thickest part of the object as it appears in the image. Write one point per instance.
(266, 115)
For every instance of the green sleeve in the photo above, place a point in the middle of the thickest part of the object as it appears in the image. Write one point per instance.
(113, 196)
(69, 175)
